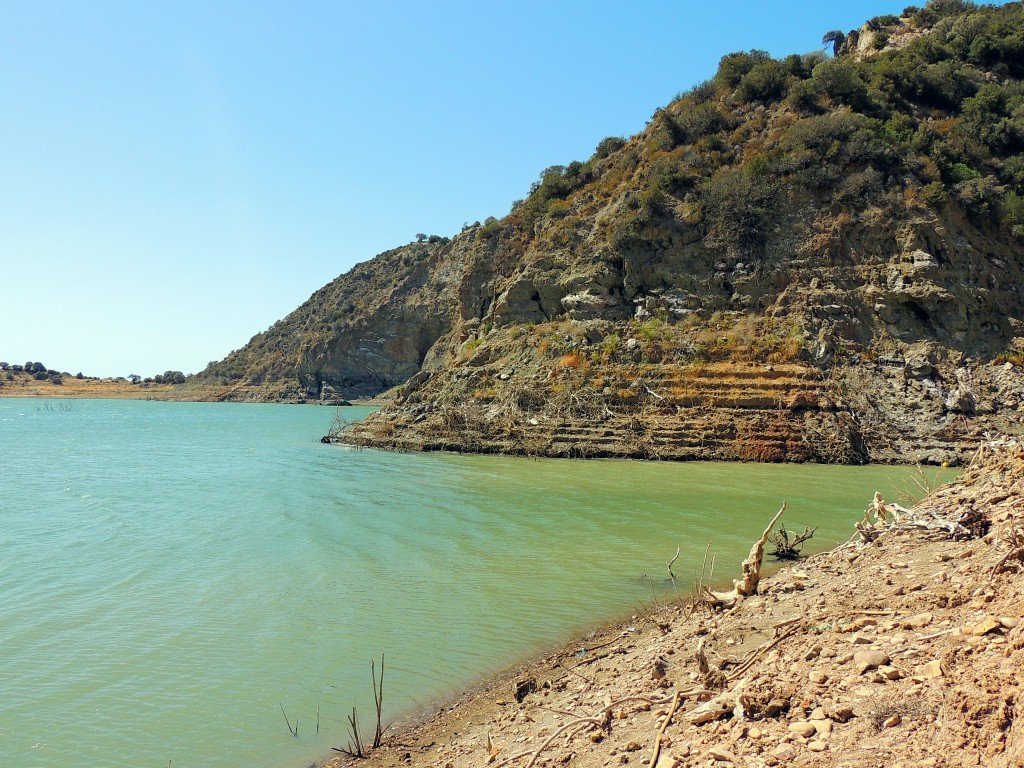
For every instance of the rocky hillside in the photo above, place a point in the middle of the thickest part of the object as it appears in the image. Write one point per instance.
(808, 258)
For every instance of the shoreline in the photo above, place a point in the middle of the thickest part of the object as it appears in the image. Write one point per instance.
(904, 651)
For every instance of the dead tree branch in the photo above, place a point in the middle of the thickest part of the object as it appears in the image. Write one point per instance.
(786, 548)
(747, 585)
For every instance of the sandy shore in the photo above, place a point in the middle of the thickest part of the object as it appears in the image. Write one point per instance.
(905, 650)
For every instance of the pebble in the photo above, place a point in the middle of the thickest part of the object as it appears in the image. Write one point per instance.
(891, 673)
(632, 747)
(866, 660)
(785, 752)
(803, 728)
(989, 624)
(818, 677)
(722, 755)
(918, 621)
(892, 721)
(841, 713)
(1008, 622)
(817, 746)
(813, 652)
(933, 669)
(822, 727)
(755, 733)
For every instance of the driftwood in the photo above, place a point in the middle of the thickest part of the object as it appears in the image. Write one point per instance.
(890, 516)
(656, 753)
(789, 544)
(747, 585)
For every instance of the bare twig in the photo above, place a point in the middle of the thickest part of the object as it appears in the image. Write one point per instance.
(293, 731)
(354, 748)
(672, 562)
(787, 548)
(378, 698)
(586, 723)
(572, 671)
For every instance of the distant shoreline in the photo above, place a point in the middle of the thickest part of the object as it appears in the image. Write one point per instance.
(71, 388)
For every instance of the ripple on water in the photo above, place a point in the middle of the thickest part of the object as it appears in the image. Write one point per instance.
(183, 569)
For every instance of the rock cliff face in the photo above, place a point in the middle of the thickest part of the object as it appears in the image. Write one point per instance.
(802, 259)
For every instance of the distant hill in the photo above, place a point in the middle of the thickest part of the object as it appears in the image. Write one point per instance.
(814, 257)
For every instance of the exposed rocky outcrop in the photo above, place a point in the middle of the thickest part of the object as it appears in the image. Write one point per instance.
(803, 259)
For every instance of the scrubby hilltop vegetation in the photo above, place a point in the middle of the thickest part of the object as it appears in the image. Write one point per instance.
(813, 257)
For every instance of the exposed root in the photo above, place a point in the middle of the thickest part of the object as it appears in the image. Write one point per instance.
(656, 753)
(751, 571)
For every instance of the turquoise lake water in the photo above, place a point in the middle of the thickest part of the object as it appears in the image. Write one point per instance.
(171, 574)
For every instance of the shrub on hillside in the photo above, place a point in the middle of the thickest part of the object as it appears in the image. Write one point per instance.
(700, 121)
(608, 145)
(733, 66)
(840, 80)
(739, 211)
(934, 10)
(766, 81)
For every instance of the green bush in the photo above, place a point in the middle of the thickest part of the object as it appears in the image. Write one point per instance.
(840, 80)
(939, 9)
(766, 81)
(1013, 209)
(883, 22)
(671, 176)
(668, 133)
(820, 150)
(697, 122)
(982, 196)
(944, 84)
(804, 97)
(739, 212)
(733, 66)
(607, 146)
(959, 172)
(1012, 172)
(934, 195)
(859, 190)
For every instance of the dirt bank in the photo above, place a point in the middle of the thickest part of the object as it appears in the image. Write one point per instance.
(901, 648)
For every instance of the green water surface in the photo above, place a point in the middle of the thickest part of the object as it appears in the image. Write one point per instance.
(173, 573)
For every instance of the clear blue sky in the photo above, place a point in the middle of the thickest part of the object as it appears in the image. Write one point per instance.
(176, 176)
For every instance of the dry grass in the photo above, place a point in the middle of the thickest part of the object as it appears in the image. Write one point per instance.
(573, 360)
(72, 388)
